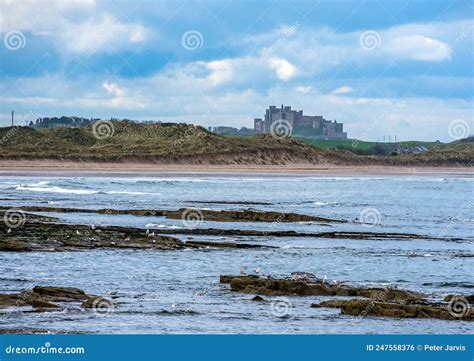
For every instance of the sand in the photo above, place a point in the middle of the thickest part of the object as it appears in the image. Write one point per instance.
(66, 168)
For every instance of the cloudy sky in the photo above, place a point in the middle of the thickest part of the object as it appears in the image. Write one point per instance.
(393, 67)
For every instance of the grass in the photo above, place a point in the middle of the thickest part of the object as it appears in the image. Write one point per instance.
(182, 143)
(360, 144)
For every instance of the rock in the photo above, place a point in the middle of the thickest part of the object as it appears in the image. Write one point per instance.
(57, 294)
(201, 244)
(247, 215)
(279, 287)
(97, 302)
(42, 298)
(49, 237)
(14, 245)
(258, 299)
(469, 298)
(304, 276)
(359, 307)
(293, 234)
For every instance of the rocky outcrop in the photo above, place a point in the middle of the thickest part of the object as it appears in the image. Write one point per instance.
(69, 237)
(360, 307)
(46, 297)
(335, 235)
(313, 287)
(247, 215)
(469, 298)
(97, 302)
(53, 237)
(209, 244)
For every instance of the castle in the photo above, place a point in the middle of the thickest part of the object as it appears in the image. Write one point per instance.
(312, 126)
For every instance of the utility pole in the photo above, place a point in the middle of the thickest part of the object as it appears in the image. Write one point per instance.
(12, 117)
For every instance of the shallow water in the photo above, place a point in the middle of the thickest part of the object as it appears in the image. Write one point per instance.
(179, 292)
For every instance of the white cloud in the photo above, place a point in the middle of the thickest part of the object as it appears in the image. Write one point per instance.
(316, 50)
(304, 88)
(113, 88)
(41, 16)
(120, 99)
(418, 47)
(283, 68)
(222, 71)
(342, 90)
(73, 26)
(107, 34)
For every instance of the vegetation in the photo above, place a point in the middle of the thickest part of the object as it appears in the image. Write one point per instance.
(182, 143)
(360, 147)
(162, 142)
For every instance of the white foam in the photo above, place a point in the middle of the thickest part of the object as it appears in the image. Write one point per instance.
(54, 189)
(130, 193)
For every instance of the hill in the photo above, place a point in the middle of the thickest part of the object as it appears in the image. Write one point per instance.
(161, 143)
(171, 143)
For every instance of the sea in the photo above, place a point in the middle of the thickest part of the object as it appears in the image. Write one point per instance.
(179, 291)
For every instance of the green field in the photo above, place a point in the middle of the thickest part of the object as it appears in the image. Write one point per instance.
(361, 144)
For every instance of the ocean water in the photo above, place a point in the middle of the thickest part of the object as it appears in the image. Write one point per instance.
(179, 291)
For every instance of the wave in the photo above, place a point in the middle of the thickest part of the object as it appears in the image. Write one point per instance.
(324, 203)
(54, 189)
(450, 284)
(57, 189)
(162, 226)
(130, 193)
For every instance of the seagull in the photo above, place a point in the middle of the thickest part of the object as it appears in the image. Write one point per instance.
(152, 234)
(257, 270)
(77, 232)
(9, 230)
(242, 271)
(147, 231)
(92, 226)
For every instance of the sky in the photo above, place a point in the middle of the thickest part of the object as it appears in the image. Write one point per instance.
(399, 68)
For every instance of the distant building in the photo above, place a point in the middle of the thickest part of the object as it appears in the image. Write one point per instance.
(312, 126)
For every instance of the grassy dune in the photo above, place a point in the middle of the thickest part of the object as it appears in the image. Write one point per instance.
(187, 144)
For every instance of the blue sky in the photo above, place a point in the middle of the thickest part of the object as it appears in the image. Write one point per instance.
(381, 67)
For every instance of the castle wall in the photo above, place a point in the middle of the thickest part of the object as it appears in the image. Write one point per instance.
(300, 122)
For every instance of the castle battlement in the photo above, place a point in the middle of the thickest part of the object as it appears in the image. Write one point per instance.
(314, 126)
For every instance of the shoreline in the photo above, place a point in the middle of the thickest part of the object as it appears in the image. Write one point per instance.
(72, 169)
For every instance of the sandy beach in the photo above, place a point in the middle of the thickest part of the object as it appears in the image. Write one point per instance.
(66, 168)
